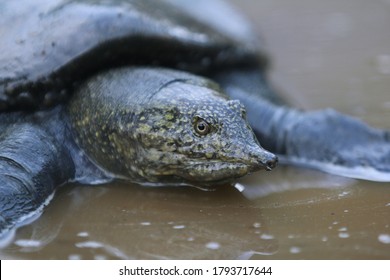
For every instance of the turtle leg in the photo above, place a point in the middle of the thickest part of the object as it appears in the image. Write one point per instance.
(32, 164)
(324, 140)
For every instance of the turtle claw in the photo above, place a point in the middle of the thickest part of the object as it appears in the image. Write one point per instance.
(339, 144)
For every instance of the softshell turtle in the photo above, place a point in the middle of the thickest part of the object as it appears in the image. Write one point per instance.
(154, 92)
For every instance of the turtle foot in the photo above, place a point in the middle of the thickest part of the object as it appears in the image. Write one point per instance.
(339, 144)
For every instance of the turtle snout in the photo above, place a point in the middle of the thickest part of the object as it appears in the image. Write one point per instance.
(262, 159)
(271, 162)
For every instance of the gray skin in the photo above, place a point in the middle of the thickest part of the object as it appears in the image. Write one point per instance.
(147, 84)
(180, 129)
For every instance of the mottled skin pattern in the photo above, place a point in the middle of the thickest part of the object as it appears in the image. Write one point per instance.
(180, 129)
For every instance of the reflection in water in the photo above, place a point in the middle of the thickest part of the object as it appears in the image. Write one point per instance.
(329, 53)
(344, 219)
(125, 222)
(290, 179)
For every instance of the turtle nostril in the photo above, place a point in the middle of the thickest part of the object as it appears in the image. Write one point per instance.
(262, 159)
(271, 163)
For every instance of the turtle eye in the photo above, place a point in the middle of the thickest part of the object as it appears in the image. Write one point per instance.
(201, 127)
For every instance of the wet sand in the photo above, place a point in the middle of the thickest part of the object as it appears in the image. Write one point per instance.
(325, 54)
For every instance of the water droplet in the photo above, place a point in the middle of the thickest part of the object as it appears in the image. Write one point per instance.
(145, 223)
(384, 238)
(28, 243)
(343, 229)
(256, 225)
(74, 257)
(213, 245)
(295, 250)
(239, 187)
(83, 234)
(343, 194)
(89, 244)
(266, 236)
(179, 226)
(343, 234)
(324, 239)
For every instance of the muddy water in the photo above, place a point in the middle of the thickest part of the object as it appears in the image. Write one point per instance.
(325, 54)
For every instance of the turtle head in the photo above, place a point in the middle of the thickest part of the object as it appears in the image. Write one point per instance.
(192, 134)
(160, 126)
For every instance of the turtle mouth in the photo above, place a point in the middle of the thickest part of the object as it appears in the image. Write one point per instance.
(218, 171)
(203, 172)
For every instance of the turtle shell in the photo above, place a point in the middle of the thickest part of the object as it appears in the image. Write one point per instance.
(49, 46)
